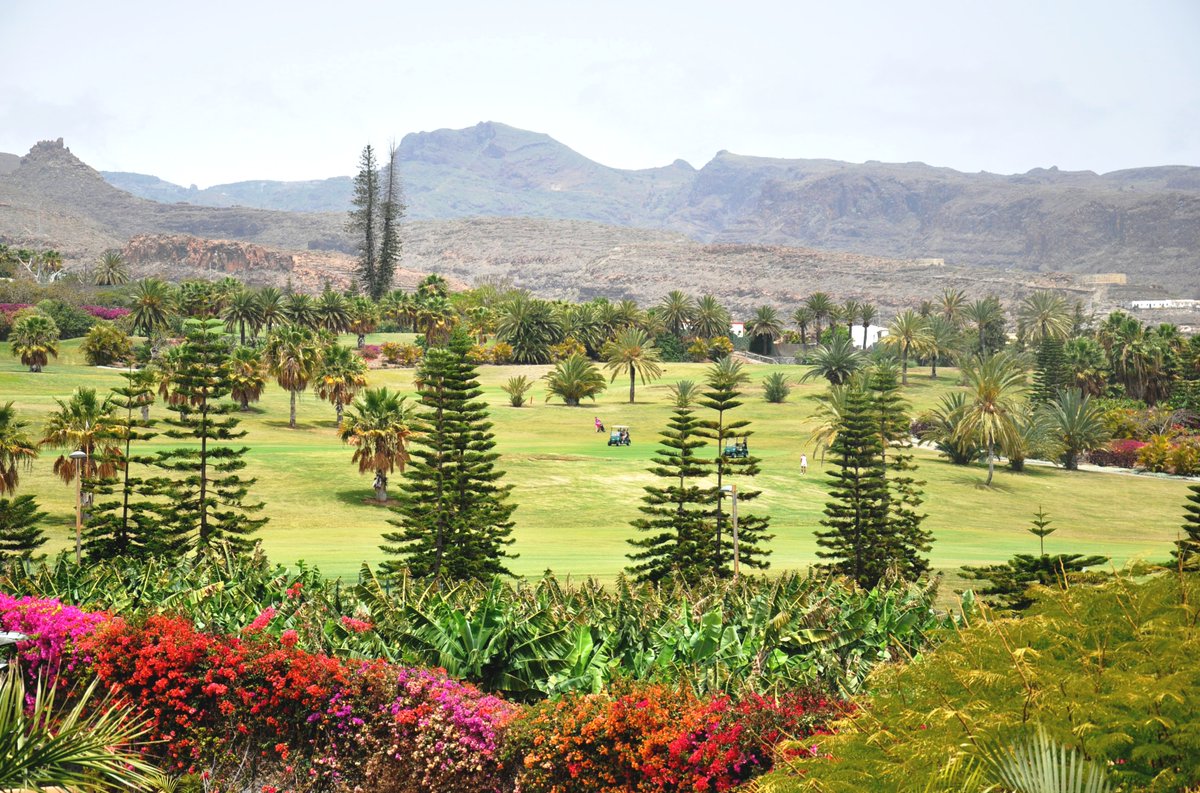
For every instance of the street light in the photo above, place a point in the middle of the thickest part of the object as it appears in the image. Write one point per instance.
(80, 458)
(732, 491)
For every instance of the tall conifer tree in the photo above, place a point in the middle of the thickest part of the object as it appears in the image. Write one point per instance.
(1187, 548)
(856, 539)
(455, 519)
(363, 221)
(126, 524)
(675, 514)
(206, 498)
(906, 536)
(721, 395)
(20, 535)
(1050, 373)
(391, 211)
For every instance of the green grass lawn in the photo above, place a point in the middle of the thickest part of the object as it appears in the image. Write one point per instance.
(576, 495)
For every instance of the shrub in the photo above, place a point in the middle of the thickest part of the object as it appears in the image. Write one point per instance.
(1184, 458)
(1119, 453)
(502, 353)
(106, 344)
(719, 347)
(565, 349)
(72, 322)
(105, 313)
(401, 354)
(697, 351)
(1153, 456)
(479, 354)
(776, 387)
(370, 352)
(516, 388)
(51, 630)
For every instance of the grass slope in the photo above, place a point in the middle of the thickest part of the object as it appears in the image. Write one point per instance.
(577, 495)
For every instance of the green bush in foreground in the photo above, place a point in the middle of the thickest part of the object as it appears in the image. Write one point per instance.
(1112, 671)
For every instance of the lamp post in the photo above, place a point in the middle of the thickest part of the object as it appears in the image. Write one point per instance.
(732, 491)
(80, 458)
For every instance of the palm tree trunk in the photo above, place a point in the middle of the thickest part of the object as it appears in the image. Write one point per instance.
(362, 340)
(145, 412)
(933, 365)
(631, 382)
(903, 364)
(339, 407)
(381, 486)
(991, 463)
(292, 420)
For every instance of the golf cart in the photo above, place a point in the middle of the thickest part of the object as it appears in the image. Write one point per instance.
(619, 436)
(737, 449)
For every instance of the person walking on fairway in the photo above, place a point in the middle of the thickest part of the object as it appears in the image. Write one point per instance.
(803, 464)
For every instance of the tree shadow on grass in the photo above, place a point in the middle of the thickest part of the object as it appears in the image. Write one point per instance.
(364, 496)
(978, 481)
(301, 426)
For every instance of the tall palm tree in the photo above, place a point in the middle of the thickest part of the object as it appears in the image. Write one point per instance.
(298, 309)
(364, 318)
(17, 449)
(292, 357)
(712, 319)
(153, 303)
(994, 389)
(379, 425)
(436, 318)
(633, 351)
(340, 375)
(803, 317)
(111, 270)
(867, 314)
(836, 361)
(1077, 424)
(765, 324)
(34, 339)
(433, 285)
(943, 341)
(849, 312)
(626, 314)
(1043, 315)
(581, 323)
(398, 306)
(270, 307)
(678, 311)
(821, 306)
(953, 302)
(247, 375)
(983, 314)
(83, 422)
(925, 309)
(908, 333)
(242, 310)
(333, 311)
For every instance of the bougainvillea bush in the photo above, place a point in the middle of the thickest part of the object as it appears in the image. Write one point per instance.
(252, 710)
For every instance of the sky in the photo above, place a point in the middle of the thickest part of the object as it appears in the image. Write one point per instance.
(216, 92)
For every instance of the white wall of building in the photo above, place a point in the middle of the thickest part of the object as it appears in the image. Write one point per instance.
(874, 334)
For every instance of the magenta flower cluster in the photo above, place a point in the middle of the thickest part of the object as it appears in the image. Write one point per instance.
(51, 630)
(104, 312)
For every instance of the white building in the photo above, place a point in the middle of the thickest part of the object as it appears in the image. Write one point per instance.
(874, 334)
(737, 329)
(1184, 303)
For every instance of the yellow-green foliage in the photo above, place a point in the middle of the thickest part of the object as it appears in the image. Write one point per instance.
(1112, 670)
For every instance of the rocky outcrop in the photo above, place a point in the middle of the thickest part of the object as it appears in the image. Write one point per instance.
(246, 261)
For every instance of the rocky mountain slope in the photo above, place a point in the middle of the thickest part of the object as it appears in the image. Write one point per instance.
(1145, 222)
(52, 199)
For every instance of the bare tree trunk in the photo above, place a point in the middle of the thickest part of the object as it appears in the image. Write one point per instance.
(380, 485)
(292, 421)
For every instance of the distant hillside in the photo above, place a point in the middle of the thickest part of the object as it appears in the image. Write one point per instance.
(1143, 221)
(52, 199)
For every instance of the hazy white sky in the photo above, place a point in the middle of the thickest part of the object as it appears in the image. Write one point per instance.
(225, 91)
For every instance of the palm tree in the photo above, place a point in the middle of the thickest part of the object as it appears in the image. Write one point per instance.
(631, 349)
(1043, 315)
(982, 314)
(836, 361)
(516, 388)
(572, 379)
(292, 357)
(398, 306)
(34, 339)
(84, 423)
(712, 319)
(908, 332)
(831, 409)
(247, 375)
(994, 388)
(943, 341)
(953, 303)
(1031, 437)
(111, 270)
(333, 311)
(17, 449)
(243, 310)
(364, 318)
(340, 376)
(433, 285)
(270, 307)
(849, 313)
(943, 430)
(678, 311)
(1078, 425)
(803, 316)
(765, 324)
(435, 318)
(867, 314)
(298, 309)
(152, 305)
(821, 306)
(531, 326)
(379, 424)
(581, 322)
